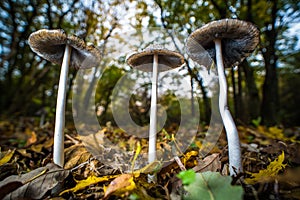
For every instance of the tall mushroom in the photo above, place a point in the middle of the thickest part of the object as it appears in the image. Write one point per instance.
(154, 59)
(55, 46)
(228, 42)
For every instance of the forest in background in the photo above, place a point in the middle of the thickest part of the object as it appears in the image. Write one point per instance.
(263, 88)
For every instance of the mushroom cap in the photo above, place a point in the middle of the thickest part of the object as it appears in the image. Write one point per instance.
(239, 39)
(50, 44)
(167, 59)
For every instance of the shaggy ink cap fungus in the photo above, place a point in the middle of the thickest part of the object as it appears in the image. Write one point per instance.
(167, 59)
(239, 39)
(50, 44)
(55, 46)
(154, 59)
(228, 42)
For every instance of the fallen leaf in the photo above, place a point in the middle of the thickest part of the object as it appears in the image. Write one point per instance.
(120, 185)
(188, 156)
(289, 183)
(7, 170)
(24, 153)
(34, 184)
(293, 151)
(153, 166)
(212, 186)
(75, 155)
(275, 133)
(137, 153)
(291, 178)
(187, 177)
(37, 148)
(32, 137)
(91, 180)
(209, 163)
(265, 174)
(6, 158)
(48, 143)
(8, 187)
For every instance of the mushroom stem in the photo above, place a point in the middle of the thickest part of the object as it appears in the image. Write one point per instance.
(153, 112)
(58, 149)
(234, 150)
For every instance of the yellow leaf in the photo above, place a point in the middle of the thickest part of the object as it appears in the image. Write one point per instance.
(275, 133)
(91, 180)
(154, 166)
(120, 185)
(198, 144)
(137, 153)
(48, 143)
(272, 170)
(188, 156)
(24, 153)
(37, 148)
(7, 157)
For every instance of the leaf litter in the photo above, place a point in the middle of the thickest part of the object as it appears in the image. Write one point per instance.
(26, 169)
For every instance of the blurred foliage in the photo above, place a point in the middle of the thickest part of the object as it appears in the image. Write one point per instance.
(265, 82)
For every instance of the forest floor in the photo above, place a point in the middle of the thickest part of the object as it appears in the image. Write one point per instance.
(270, 158)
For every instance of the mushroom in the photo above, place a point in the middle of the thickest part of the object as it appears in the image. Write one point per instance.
(228, 42)
(154, 59)
(57, 47)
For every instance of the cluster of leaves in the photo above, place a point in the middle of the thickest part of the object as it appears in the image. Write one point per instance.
(28, 172)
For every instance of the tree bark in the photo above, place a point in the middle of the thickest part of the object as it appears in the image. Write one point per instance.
(270, 101)
(235, 100)
(252, 95)
(241, 113)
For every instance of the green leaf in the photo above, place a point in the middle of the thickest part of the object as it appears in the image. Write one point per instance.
(187, 177)
(212, 185)
(256, 122)
(134, 196)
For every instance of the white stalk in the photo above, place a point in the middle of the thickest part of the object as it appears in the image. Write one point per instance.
(58, 149)
(231, 130)
(153, 112)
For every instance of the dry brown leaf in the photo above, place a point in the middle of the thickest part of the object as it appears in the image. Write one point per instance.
(75, 155)
(120, 185)
(34, 184)
(24, 153)
(48, 143)
(289, 183)
(209, 163)
(294, 153)
(37, 148)
(8, 187)
(32, 137)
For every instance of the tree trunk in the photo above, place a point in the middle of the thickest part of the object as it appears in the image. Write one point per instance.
(252, 95)
(207, 106)
(270, 102)
(242, 114)
(235, 100)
